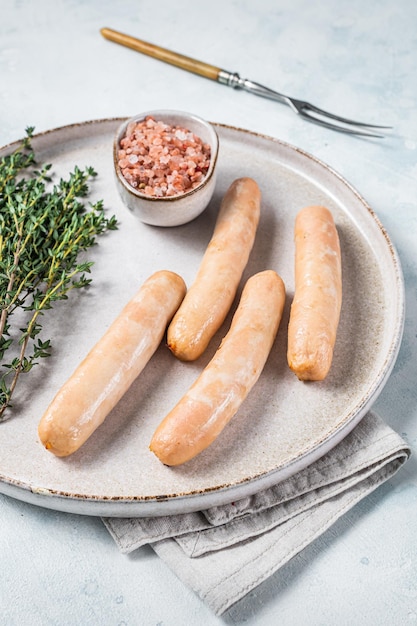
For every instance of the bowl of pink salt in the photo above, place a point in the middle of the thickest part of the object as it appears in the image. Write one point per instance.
(165, 164)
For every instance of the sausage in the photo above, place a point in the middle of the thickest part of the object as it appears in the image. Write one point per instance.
(109, 369)
(315, 310)
(211, 295)
(214, 398)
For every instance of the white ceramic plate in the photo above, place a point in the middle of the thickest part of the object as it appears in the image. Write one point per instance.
(284, 424)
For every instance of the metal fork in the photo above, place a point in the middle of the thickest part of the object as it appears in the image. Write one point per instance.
(306, 110)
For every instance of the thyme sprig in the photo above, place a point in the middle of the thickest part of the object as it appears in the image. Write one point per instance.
(43, 230)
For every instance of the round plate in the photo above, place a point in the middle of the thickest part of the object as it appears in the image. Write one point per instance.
(284, 424)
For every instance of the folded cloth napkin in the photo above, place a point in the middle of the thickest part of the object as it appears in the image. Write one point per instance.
(224, 552)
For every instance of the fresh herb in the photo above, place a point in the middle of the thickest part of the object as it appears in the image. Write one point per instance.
(43, 230)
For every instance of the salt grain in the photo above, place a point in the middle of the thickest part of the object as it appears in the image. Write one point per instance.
(162, 160)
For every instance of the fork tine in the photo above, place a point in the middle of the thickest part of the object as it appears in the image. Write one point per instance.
(350, 130)
(343, 120)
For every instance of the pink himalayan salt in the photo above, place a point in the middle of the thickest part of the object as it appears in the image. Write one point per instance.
(162, 160)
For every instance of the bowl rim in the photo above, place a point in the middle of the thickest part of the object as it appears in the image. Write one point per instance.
(214, 143)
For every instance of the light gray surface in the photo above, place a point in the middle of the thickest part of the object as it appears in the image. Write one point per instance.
(355, 58)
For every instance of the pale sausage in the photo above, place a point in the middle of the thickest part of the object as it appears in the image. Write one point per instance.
(212, 293)
(109, 369)
(216, 395)
(315, 310)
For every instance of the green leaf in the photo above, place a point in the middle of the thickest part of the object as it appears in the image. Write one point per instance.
(43, 231)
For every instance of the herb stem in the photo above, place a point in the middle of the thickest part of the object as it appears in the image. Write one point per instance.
(42, 235)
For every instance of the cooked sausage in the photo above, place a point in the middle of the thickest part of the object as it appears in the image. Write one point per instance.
(216, 395)
(315, 310)
(109, 369)
(211, 295)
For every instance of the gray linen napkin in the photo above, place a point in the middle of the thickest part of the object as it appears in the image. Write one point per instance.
(224, 552)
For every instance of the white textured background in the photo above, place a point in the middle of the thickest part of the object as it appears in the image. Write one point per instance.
(356, 57)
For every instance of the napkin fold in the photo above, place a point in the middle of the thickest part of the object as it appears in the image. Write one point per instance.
(224, 552)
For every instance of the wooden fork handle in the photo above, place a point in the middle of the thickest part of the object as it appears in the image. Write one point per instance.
(179, 60)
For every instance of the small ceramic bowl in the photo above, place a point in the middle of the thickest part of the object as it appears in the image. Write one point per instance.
(177, 209)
